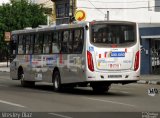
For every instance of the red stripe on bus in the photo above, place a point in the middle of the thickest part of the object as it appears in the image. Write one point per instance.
(125, 49)
(105, 54)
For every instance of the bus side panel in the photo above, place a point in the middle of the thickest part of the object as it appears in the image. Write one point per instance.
(20, 61)
(71, 68)
(13, 69)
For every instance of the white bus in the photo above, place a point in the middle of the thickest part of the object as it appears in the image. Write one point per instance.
(94, 54)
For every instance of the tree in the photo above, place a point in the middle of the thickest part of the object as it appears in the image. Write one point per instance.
(18, 15)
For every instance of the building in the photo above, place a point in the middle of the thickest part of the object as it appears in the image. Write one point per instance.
(150, 40)
(45, 3)
(4, 2)
(49, 9)
(48, 5)
(145, 12)
(65, 10)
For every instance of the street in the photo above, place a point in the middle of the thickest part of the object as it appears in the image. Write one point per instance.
(42, 98)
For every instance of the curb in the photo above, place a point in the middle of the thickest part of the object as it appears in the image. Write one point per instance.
(5, 71)
(152, 82)
(142, 82)
(149, 82)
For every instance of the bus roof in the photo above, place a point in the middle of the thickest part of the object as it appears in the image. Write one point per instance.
(42, 29)
(62, 26)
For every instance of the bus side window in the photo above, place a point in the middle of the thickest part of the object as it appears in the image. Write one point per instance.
(47, 43)
(38, 44)
(40, 40)
(55, 46)
(21, 48)
(70, 42)
(14, 44)
(50, 42)
(78, 41)
(27, 43)
(31, 43)
(64, 42)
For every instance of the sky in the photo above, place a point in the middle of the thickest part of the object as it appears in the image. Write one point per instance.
(4, 1)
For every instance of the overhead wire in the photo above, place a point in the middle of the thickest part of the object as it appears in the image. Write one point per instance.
(101, 8)
(122, 1)
(98, 8)
(95, 7)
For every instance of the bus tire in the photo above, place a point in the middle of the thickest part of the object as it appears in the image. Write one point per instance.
(23, 82)
(57, 81)
(100, 89)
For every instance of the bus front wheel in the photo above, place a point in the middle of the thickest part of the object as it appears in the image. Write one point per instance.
(23, 82)
(57, 81)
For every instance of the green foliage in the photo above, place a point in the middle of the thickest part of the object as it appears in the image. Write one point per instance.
(18, 15)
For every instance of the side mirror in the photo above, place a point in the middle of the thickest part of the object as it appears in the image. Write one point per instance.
(142, 48)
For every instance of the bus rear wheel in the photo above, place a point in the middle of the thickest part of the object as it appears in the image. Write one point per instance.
(57, 81)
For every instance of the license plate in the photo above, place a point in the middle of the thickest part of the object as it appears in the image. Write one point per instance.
(114, 76)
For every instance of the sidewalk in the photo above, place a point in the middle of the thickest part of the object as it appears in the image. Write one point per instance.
(4, 68)
(149, 79)
(4, 64)
(144, 79)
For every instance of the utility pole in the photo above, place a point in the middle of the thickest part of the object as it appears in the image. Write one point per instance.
(107, 16)
(7, 39)
(7, 52)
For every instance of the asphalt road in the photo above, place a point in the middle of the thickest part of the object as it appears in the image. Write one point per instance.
(129, 100)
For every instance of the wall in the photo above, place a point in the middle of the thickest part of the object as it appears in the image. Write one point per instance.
(4, 1)
(145, 58)
(141, 11)
(46, 3)
(151, 31)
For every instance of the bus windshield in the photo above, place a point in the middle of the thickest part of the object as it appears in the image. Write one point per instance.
(120, 34)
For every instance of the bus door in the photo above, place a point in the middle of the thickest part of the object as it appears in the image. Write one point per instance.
(13, 50)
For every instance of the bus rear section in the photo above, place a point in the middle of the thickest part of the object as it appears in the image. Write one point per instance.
(113, 53)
